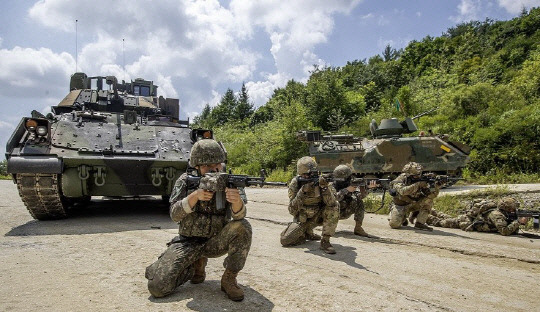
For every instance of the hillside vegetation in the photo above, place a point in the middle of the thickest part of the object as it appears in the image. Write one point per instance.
(483, 76)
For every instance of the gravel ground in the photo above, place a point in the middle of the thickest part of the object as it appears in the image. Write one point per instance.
(95, 260)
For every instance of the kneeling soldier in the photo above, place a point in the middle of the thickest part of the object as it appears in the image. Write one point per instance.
(311, 204)
(350, 198)
(411, 195)
(205, 231)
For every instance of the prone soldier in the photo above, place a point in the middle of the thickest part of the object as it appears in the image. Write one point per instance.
(486, 216)
(205, 230)
(410, 194)
(311, 203)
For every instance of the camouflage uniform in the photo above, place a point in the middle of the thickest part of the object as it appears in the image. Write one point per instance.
(311, 206)
(314, 208)
(349, 202)
(485, 216)
(415, 197)
(205, 232)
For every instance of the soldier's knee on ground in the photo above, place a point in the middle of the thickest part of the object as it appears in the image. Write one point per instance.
(160, 285)
(395, 224)
(158, 289)
(293, 235)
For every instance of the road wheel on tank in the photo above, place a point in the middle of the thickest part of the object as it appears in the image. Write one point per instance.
(42, 196)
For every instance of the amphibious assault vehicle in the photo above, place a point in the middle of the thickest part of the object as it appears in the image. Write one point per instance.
(103, 139)
(385, 154)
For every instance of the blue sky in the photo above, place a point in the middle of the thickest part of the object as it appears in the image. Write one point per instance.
(195, 50)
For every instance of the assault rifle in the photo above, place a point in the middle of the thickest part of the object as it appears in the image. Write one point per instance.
(360, 182)
(353, 181)
(535, 214)
(218, 181)
(433, 179)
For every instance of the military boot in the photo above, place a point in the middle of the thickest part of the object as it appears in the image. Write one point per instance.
(230, 287)
(358, 230)
(326, 246)
(422, 226)
(200, 274)
(312, 236)
(412, 217)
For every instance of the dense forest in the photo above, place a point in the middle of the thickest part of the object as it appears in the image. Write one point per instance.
(483, 76)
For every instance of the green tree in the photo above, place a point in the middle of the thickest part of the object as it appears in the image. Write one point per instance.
(3, 168)
(244, 108)
(226, 108)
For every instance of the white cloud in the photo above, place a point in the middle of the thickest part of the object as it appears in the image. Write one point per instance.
(193, 48)
(515, 6)
(468, 10)
(34, 73)
(367, 16)
(6, 125)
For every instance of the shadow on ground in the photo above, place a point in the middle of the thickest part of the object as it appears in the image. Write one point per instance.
(103, 217)
(208, 297)
(345, 254)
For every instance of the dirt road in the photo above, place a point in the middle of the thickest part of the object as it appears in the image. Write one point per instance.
(95, 261)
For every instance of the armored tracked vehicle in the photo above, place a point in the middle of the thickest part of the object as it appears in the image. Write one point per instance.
(385, 154)
(103, 139)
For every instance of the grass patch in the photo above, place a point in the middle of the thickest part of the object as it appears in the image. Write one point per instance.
(280, 175)
(450, 204)
(498, 176)
(456, 204)
(5, 177)
(372, 202)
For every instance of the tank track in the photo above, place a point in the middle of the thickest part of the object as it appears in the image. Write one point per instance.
(41, 195)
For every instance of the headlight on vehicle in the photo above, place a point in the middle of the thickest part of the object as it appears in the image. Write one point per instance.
(41, 130)
(31, 125)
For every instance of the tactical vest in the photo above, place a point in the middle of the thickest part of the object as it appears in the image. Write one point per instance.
(204, 220)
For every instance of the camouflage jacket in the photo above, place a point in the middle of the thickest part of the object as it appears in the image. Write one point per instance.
(496, 221)
(202, 220)
(311, 202)
(347, 199)
(407, 194)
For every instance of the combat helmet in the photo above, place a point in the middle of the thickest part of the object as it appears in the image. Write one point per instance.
(342, 172)
(412, 168)
(508, 204)
(205, 152)
(306, 164)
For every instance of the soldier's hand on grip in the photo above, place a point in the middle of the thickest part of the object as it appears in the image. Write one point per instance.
(323, 182)
(523, 220)
(422, 184)
(307, 188)
(351, 188)
(233, 196)
(204, 195)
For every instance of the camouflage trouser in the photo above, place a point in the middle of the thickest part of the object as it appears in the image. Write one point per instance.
(355, 207)
(398, 214)
(436, 217)
(327, 217)
(446, 221)
(174, 266)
